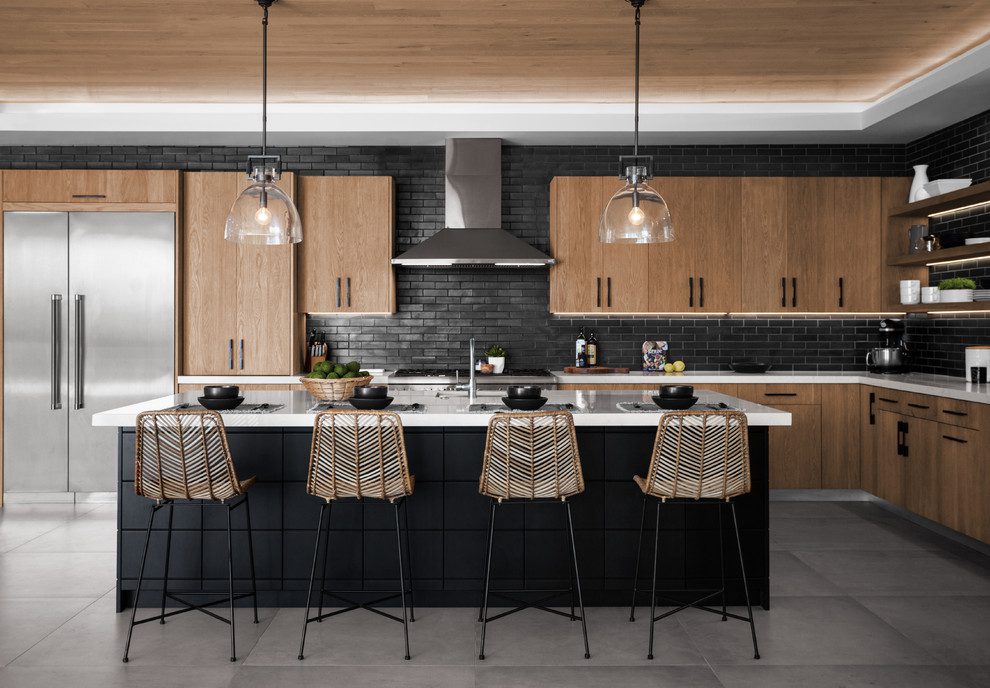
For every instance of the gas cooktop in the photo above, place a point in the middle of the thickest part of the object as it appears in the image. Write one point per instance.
(452, 372)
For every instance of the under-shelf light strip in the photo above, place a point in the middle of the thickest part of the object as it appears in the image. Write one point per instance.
(942, 213)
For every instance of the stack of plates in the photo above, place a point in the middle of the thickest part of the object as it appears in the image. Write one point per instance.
(981, 294)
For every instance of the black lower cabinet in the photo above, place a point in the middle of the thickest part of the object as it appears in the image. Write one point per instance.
(447, 521)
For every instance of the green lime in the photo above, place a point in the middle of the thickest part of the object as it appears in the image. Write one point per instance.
(350, 374)
(354, 366)
(340, 369)
(363, 373)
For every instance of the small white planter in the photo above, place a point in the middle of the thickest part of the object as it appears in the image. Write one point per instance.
(955, 295)
(498, 364)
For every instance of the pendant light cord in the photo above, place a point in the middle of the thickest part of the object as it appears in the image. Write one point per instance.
(636, 117)
(264, 81)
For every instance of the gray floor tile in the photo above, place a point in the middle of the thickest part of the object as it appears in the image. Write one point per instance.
(975, 676)
(892, 572)
(754, 676)
(790, 577)
(829, 510)
(595, 677)
(83, 534)
(839, 534)
(406, 676)
(27, 621)
(954, 629)
(96, 637)
(802, 631)
(120, 676)
(33, 574)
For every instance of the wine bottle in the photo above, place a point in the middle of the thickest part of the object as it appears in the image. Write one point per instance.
(591, 351)
(580, 352)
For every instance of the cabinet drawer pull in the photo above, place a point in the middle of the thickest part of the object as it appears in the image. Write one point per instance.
(888, 401)
(608, 292)
(780, 394)
(918, 406)
(955, 413)
(242, 354)
(842, 300)
(230, 354)
(348, 292)
(701, 292)
(89, 195)
(955, 439)
(794, 291)
(338, 292)
(598, 292)
(690, 292)
(873, 412)
(783, 292)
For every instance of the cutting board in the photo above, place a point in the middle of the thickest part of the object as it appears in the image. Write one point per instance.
(595, 370)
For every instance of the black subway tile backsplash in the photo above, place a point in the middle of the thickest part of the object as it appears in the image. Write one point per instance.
(439, 310)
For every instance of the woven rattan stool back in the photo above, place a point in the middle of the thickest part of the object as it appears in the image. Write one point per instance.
(700, 455)
(358, 454)
(531, 456)
(183, 455)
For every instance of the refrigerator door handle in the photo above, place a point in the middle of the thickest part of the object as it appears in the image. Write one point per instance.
(56, 362)
(78, 344)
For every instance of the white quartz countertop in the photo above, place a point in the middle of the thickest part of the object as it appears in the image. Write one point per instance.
(591, 409)
(936, 385)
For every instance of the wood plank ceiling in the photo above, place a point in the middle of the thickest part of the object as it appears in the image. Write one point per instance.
(478, 50)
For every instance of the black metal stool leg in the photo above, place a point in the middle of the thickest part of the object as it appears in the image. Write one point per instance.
(488, 576)
(721, 555)
(326, 550)
(570, 563)
(230, 584)
(412, 598)
(742, 568)
(250, 537)
(402, 580)
(481, 606)
(577, 581)
(137, 594)
(312, 577)
(653, 590)
(168, 550)
(639, 555)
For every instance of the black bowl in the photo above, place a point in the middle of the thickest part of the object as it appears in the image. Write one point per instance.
(749, 367)
(221, 391)
(675, 403)
(524, 392)
(524, 404)
(370, 404)
(676, 391)
(220, 404)
(375, 392)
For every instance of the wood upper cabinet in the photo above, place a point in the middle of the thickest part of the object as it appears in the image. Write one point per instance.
(763, 247)
(590, 276)
(345, 259)
(238, 301)
(91, 186)
(852, 246)
(809, 206)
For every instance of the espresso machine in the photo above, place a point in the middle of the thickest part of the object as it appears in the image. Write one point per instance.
(891, 356)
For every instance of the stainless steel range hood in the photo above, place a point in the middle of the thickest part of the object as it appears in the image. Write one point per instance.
(472, 235)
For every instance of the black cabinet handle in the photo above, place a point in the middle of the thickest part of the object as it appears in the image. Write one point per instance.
(918, 406)
(348, 292)
(888, 401)
(690, 292)
(242, 354)
(230, 353)
(701, 292)
(780, 394)
(783, 292)
(608, 292)
(794, 292)
(954, 413)
(598, 291)
(873, 413)
(902, 433)
(842, 299)
(338, 292)
(89, 195)
(955, 439)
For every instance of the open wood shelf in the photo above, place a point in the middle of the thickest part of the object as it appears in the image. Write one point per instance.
(956, 200)
(941, 307)
(974, 252)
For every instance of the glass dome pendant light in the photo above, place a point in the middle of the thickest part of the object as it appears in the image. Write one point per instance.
(636, 214)
(263, 213)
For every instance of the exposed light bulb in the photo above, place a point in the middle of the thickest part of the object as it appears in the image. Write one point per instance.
(264, 216)
(636, 215)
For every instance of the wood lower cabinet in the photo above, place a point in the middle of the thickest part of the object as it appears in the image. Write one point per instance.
(91, 186)
(868, 437)
(841, 439)
(907, 463)
(345, 261)
(247, 388)
(964, 481)
(796, 450)
(729, 389)
(238, 301)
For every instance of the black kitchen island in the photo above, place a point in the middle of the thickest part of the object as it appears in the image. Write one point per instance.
(447, 521)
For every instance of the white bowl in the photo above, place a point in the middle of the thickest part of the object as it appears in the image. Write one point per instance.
(955, 296)
(973, 241)
(941, 186)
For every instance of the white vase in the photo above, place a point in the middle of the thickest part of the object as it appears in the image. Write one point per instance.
(918, 192)
(498, 364)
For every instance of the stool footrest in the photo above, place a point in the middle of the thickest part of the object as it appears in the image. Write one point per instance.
(523, 604)
(352, 605)
(190, 607)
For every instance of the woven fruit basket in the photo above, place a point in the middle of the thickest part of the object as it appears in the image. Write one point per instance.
(333, 390)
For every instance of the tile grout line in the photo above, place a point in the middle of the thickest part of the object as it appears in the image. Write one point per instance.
(54, 630)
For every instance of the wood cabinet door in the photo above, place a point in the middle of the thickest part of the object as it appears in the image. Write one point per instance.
(869, 433)
(266, 289)
(625, 267)
(890, 464)
(964, 481)
(840, 436)
(209, 274)
(91, 186)
(921, 486)
(674, 287)
(852, 246)
(715, 256)
(345, 262)
(796, 451)
(763, 246)
(809, 207)
(576, 284)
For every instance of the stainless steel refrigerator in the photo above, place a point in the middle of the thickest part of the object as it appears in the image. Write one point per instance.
(88, 325)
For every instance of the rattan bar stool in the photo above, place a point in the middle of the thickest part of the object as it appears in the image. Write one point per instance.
(697, 456)
(182, 456)
(532, 457)
(359, 455)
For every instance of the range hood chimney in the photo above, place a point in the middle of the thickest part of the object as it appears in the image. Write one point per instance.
(472, 235)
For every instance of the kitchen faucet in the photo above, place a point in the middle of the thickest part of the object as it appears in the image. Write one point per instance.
(472, 386)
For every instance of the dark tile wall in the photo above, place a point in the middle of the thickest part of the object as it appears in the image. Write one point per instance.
(440, 309)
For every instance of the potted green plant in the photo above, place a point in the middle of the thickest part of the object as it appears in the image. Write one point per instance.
(956, 290)
(496, 356)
